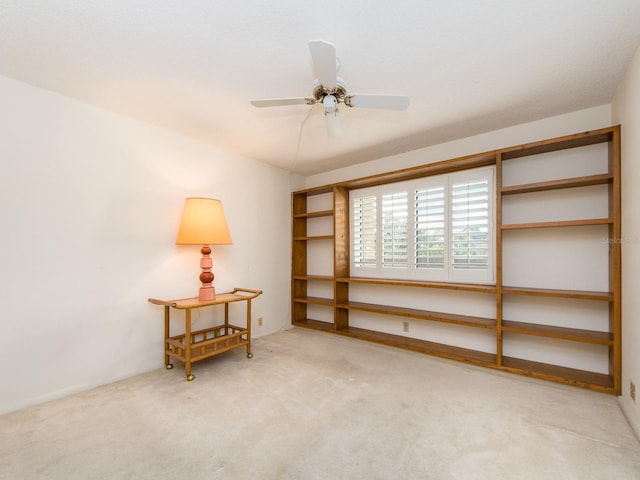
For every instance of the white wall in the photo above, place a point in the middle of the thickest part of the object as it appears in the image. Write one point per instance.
(626, 111)
(90, 204)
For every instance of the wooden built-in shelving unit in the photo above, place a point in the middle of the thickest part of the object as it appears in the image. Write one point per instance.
(339, 305)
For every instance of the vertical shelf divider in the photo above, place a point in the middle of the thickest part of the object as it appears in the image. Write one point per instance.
(498, 258)
(615, 261)
(341, 255)
(299, 258)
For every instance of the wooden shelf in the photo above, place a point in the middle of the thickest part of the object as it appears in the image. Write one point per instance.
(572, 376)
(563, 333)
(470, 287)
(314, 237)
(560, 223)
(316, 278)
(323, 213)
(315, 191)
(602, 135)
(466, 320)
(314, 301)
(315, 325)
(547, 292)
(421, 346)
(558, 184)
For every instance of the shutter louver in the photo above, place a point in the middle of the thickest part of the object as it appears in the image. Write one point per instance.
(394, 230)
(430, 235)
(364, 231)
(470, 225)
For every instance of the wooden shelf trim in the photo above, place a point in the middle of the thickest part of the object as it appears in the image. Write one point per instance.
(559, 223)
(471, 287)
(572, 376)
(547, 292)
(563, 333)
(586, 181)
(455, 319)
(315, 301)
(323, 213)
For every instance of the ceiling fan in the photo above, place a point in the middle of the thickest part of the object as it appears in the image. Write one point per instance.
(330, 90)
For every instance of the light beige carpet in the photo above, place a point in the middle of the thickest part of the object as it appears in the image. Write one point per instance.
(311, 405)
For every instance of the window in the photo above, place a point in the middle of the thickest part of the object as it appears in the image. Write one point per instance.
(436, 228)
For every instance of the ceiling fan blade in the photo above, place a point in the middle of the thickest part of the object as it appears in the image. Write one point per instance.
(281, 102)
(324, 61)
(387, 102)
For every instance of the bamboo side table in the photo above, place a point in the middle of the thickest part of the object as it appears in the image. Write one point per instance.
(194, 346)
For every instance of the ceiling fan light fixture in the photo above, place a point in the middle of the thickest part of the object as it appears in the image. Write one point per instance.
(330, 104)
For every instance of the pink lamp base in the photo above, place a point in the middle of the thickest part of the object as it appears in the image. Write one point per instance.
(207, 292)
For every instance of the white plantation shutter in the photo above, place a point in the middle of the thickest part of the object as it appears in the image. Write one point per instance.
(394, 230)
(470, 225)
(438, 228)
(363, 231)
(430, 224)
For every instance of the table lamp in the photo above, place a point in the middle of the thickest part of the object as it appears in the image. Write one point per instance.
(203, 223)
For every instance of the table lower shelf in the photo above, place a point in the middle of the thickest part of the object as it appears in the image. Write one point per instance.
(207, 343)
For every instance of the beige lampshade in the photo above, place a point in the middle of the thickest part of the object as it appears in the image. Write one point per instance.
(203, 223)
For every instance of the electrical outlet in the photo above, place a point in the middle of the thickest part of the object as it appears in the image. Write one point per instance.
(632, 391)
(259, 321)
(405, 326)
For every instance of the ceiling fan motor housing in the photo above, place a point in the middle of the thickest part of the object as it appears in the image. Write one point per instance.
(339, 91)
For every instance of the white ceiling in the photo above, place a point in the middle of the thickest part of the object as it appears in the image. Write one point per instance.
(192, 66)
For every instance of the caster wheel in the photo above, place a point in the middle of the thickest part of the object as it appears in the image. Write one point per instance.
(190, 377)
(169, 366)
(249, 355)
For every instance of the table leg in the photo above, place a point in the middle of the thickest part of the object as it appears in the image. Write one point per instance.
(249, 354)
(187, 342)
(167, 362)
(226, 319)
